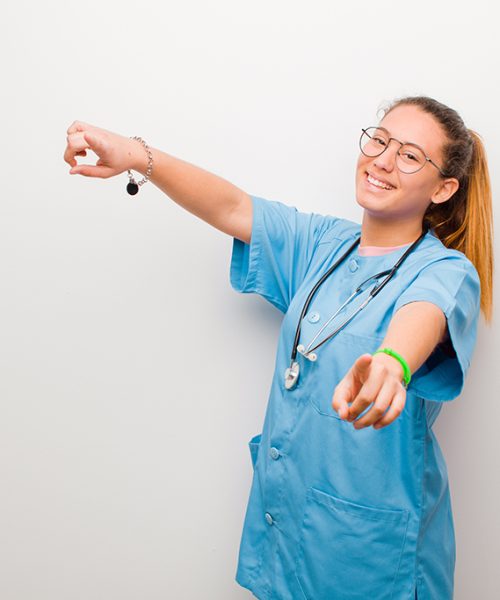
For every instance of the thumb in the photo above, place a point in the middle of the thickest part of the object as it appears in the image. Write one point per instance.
(361, 367)
(342, 395)
(91, 171)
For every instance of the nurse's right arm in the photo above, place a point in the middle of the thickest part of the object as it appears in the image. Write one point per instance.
(206, 195)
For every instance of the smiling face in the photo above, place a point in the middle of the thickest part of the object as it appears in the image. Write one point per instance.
(410, 194)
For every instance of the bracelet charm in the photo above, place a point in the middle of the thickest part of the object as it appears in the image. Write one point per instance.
(133, 185)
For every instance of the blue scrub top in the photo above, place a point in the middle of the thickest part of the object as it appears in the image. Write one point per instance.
(336, 513)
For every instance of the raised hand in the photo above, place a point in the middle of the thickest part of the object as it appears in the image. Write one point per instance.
(116, 153)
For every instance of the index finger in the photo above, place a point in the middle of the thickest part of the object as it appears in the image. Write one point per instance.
(78, 126)
(76, 144)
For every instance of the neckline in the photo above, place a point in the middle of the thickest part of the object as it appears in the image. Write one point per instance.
(378, 247)
(395, 250)
(372, 251)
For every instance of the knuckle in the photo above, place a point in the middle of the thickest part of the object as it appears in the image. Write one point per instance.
(380, 367)
(386, 372)
(72, 126)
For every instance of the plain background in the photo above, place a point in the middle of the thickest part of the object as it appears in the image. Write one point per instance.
(132, 375)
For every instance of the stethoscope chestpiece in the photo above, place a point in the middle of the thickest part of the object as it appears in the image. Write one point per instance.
(291, 375)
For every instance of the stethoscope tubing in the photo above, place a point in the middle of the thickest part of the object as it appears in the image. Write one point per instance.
(378, 287)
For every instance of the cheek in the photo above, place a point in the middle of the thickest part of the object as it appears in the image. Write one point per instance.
(362, 160)
(361, 167)
(415, 186)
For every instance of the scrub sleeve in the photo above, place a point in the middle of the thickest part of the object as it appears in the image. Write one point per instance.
(281, 250)
(453, 285)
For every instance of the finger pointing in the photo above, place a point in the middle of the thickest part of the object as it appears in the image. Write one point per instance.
(341, 396)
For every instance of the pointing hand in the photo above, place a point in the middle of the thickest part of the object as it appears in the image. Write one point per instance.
(375, 380)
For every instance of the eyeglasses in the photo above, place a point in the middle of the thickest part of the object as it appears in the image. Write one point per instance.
(410, 157)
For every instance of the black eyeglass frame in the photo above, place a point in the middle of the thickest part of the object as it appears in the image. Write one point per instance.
(365, 131)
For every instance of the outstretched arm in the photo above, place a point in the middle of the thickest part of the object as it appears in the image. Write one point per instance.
(204, 194)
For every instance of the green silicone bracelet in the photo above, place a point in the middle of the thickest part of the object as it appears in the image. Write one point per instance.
(404, 364)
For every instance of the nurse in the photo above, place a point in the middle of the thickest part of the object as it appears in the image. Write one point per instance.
(350, 496)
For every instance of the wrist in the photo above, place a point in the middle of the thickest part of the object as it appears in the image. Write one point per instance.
(138, 156)
(137, 163)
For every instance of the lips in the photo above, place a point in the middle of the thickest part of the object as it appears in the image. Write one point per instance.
(379, 179)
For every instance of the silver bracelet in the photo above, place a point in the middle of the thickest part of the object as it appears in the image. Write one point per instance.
(133, 185)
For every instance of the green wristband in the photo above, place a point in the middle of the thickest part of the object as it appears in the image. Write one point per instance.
(402, 361)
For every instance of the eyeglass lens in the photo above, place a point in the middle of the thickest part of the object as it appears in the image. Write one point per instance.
(408, 159)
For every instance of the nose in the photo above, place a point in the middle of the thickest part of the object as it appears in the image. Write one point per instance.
(387, 160)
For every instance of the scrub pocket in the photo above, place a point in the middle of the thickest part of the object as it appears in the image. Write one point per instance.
(254, 444)
(347, 550)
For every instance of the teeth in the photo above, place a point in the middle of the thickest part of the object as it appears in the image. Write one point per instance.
(379, 183)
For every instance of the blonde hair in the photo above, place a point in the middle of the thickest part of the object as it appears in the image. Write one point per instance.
(465, 221)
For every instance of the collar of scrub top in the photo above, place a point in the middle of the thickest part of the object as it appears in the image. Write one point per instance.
(292, 372)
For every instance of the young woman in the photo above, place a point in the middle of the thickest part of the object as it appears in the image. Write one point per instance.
(350, 497)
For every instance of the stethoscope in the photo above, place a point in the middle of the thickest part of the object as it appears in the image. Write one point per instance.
(292, 372)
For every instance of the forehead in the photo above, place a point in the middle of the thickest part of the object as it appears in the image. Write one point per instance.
(411, 124)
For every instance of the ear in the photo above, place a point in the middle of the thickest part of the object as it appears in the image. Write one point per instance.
(446, 189)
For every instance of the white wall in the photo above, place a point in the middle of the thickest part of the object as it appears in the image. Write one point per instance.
(132, 375)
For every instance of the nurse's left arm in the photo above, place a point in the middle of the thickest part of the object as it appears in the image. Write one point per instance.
(413, 332)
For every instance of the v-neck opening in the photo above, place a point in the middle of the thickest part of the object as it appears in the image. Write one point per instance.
(392, 251)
